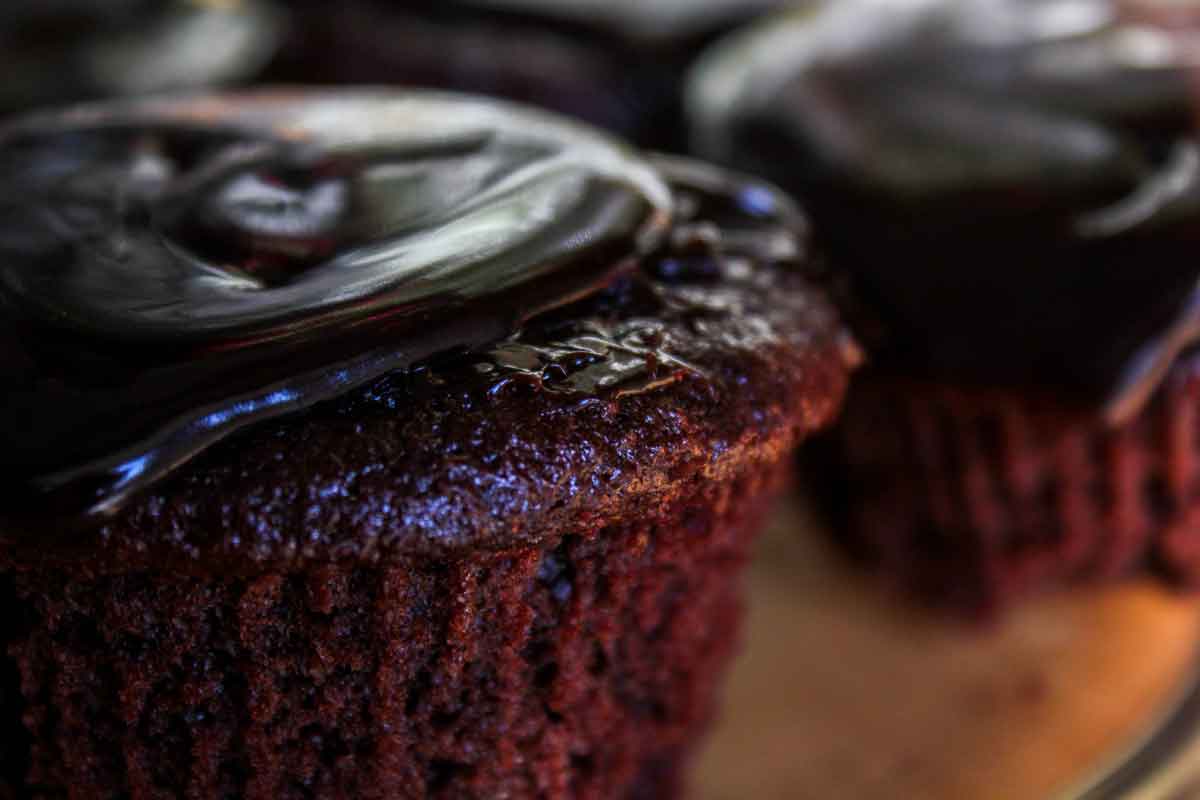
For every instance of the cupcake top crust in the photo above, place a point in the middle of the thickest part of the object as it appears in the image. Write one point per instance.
(294, 324)
(1014, 184)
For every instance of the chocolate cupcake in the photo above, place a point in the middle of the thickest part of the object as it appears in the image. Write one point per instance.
(67, 50)
(1013, 190)
(619, 65)
(376, 444)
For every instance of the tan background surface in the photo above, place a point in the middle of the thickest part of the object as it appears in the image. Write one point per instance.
(845, 692)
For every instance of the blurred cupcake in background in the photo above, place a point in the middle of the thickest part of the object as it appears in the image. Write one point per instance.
(618, 64)
(65, 50)
(1012, 190)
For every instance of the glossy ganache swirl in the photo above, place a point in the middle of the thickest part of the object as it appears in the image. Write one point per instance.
(1014, 184)
(173, 271)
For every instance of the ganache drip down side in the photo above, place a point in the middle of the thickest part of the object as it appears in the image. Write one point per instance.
(1013, 185)
(173, 271)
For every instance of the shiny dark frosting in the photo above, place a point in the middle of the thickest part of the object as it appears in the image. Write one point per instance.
(174, 271)
(56, 51)
(1014, 185)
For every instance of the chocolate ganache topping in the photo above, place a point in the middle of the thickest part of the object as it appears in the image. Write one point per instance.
(1013, 184)
(174, 270)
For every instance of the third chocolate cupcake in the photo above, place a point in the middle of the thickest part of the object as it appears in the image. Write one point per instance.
(1013, 189)
(615, 63)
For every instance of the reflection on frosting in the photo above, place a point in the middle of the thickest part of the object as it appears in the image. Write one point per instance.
(173, 271)
(1013, 159)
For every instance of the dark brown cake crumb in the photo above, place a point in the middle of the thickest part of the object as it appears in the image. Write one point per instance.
(577, 668)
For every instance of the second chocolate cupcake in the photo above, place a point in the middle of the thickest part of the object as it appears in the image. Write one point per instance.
(1014, 191)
